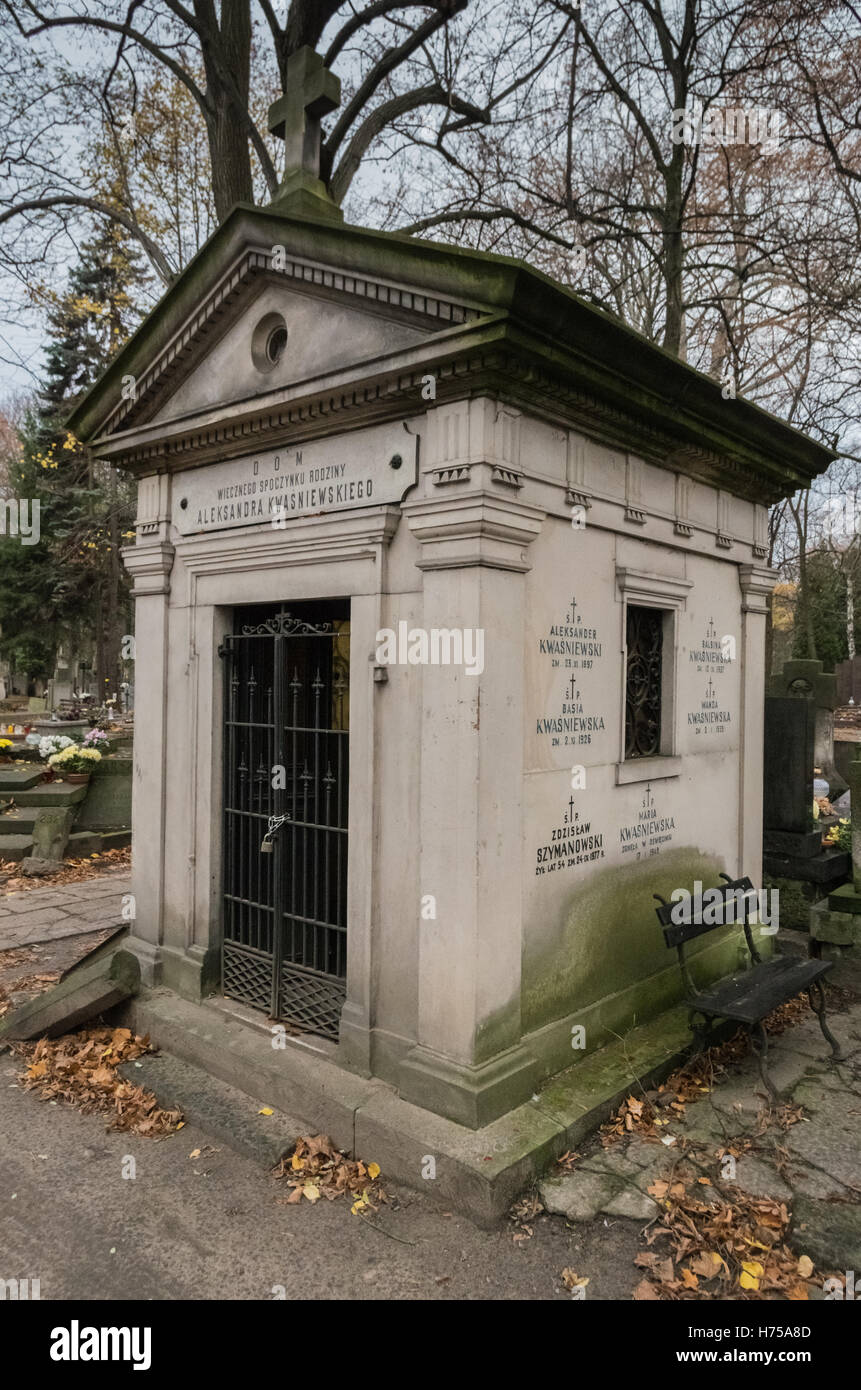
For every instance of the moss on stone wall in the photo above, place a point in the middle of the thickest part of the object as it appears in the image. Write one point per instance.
(608, 938)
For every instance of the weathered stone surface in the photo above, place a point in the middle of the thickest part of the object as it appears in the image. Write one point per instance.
(643, 1154)
(579, 1196)
(86, 991)
(15, 779)
(810, 1182)
(220, 1110)
(705, 1123)
(759, 1179)
(33, 866)
(832, 1143)
(630, 1202)
(829, 1232)
(612, 1161)
(51, 830)
(837, 928)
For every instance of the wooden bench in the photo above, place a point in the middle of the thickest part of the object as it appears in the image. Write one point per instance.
(748, 996)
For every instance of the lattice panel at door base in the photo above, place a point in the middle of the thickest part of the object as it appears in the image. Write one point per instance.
(312, 1002)
(247, 976)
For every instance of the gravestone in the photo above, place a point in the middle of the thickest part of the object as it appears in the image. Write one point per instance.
(788, 777)
(794, 861)
(806, 680)
(450, 598)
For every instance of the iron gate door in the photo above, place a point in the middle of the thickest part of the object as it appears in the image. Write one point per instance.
(286, 783)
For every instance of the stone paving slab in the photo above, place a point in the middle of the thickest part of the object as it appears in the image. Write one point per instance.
(813, 1166)
(46, 914)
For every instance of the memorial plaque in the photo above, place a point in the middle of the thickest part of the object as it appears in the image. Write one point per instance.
(274, 487)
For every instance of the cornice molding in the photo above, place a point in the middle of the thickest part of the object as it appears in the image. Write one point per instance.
(493, 369)
(150, 566)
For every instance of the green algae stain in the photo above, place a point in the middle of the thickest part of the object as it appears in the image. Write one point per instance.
(608, 939)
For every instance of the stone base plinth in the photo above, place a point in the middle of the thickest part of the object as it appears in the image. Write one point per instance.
(827, 869)
(471, 1096)
(802, 845)
(835, 928)
(846, 898)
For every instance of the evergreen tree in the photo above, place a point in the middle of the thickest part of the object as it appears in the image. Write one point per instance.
(70, 587)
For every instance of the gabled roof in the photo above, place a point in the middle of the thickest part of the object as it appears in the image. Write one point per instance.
(471, 303)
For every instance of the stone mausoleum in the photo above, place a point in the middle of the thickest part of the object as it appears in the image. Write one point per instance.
(450, 599)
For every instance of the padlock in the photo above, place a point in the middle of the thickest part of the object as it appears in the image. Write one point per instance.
(266, 847)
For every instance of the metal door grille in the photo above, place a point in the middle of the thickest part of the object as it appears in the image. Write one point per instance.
(286, 754)
(644, 640)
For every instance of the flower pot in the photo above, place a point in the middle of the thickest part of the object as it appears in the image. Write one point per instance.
(76, 777)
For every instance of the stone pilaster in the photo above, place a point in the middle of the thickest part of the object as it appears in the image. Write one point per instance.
(756, 583)
(149, 565)
(469, 1063)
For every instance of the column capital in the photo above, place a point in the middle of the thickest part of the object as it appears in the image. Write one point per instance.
(150, 567)
(756, 583)
(465, 529)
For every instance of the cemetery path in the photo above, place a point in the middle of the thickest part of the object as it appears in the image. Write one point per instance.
(73, 909)
(216, 1227)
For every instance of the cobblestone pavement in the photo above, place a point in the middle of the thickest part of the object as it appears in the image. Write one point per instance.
(71, 909)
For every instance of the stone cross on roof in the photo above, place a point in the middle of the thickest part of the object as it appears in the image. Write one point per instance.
(312, 92)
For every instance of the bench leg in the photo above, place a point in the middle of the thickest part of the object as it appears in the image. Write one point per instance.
(819, 1010)
(701, 1032)
(759, 1043)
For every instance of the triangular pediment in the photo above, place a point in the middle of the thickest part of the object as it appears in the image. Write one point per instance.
(334, 318)
(324, 333)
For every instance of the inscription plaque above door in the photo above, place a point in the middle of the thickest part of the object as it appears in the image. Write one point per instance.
(272, 488)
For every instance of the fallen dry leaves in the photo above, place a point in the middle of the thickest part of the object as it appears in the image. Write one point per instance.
(648, 1114)
(523, 1213)
(71, 871)
(81, 1069)
(733, 1248)
(317, 1169)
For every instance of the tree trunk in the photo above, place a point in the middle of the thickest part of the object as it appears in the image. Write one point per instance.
(227, 64)
(674, 256)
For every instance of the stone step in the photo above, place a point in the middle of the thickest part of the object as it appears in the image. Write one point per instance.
(116, 839)
(83, 842)
(222, 1112)
(480, 1172)
(16, 823)
(15, 847)
(52, 794)
(14, 779)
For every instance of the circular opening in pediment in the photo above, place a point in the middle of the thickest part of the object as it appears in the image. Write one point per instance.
(269, 342)
(275, 344)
